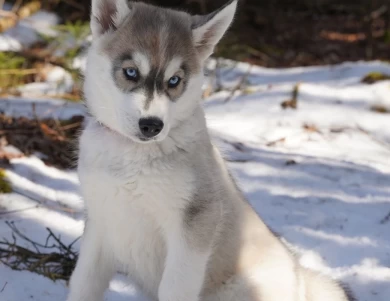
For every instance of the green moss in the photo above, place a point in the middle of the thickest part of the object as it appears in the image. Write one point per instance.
(10, 60)
(5, 186)
(47, 39)
(78, 29)
(380, 109)
(374, 77)
(11, 69)
(386, 36)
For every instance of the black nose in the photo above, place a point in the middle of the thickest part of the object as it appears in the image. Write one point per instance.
(150, 127)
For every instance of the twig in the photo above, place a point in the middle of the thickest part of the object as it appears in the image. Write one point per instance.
(66, 96)
(34, 111)
(8, 14)
(377, 13)
(56, 264)
(385, 219)
(283, 139)
(18, 210)
(272, 143)
(5, 284)
(59, 127)
(70, 126)
(57, 239)
(16, 5)
(239, 85)
(237, 160)
(17, 131)
(14, 17)
(382, 143)
(20, 234)
(293, 102)
(217, 75)
(18, 71)
(28, 9)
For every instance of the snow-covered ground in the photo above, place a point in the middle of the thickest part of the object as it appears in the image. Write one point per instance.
(318, 175)
(27, 31)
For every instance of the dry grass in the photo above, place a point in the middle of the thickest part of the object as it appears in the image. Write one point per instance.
(52, 259)
(55, 139)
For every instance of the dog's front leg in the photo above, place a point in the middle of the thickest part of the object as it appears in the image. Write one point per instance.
(93, 270)
(189, 244)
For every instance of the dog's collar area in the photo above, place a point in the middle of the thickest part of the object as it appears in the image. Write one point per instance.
(109, 129)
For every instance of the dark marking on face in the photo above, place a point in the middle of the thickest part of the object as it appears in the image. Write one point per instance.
(161, 35)
(151, 84)
(123, 83)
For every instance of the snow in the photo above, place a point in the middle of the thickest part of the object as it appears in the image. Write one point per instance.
(58, 81)
(318, 175)
(27, 31)
(42, 107)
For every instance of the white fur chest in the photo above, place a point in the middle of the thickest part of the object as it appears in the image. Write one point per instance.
(130, 198)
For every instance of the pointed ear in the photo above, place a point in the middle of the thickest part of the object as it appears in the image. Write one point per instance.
(208, 30)
(107, 15)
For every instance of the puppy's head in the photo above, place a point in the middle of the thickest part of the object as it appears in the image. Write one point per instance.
(145, 66)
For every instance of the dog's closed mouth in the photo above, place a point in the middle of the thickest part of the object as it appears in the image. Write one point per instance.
(145, 139)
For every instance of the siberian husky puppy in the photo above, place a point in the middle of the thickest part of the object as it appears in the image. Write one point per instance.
(160, 202)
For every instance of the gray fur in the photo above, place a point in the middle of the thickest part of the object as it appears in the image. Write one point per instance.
(200, 222)
(194, 209)
(106, 12)
(148, 30)
(348, 292)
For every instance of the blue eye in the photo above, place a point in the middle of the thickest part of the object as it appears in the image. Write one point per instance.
(174, 81)
(131, 73)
